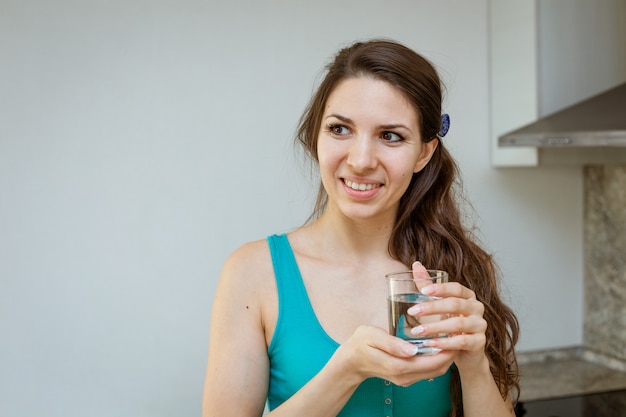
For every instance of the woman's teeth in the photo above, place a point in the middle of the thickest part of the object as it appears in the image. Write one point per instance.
(361, 187)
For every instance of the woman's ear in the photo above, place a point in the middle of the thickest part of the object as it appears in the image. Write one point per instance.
(428, 149)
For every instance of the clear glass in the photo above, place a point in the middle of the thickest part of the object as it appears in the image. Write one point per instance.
(405, 292)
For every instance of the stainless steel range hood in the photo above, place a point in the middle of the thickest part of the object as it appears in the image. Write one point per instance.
(597, 122)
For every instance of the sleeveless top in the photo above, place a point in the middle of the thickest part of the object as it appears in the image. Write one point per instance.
(300, 348)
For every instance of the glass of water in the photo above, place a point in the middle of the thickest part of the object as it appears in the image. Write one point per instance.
(404, 292)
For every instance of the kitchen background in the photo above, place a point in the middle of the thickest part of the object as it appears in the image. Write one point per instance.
(142, 141)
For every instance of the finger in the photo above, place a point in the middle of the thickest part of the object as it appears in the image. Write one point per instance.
(391, 344)
(451, 326)
(418, 368)
(449, 289)
(465, 342)
(419, 271)
(450, 305)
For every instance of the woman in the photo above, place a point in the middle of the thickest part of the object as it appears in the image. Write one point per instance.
(300, 319)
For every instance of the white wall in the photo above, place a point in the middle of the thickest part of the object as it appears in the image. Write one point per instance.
(142, 141)
(582, 50)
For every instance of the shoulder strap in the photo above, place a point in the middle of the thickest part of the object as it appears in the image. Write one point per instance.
(291, 291)
(295, 311)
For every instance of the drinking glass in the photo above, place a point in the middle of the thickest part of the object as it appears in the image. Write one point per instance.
(405, 292)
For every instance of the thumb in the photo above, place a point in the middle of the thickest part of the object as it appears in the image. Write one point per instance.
(393, 345)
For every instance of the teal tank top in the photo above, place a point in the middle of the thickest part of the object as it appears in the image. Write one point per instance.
(300, 348)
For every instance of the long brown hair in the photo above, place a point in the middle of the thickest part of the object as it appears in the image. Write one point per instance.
(428, 225)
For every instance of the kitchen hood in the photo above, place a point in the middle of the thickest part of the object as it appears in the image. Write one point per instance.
(596, 122)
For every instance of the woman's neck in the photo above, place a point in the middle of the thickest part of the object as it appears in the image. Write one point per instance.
(352, 239)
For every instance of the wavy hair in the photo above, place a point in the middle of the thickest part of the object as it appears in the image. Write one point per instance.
(428, 226)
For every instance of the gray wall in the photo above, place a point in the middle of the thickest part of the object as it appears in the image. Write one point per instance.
(142, 141)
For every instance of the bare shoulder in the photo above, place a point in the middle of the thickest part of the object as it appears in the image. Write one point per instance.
(248, 270)
(250, 259)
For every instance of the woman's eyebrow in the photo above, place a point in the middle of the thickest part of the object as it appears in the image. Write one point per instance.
(340, 117)
(395, 126)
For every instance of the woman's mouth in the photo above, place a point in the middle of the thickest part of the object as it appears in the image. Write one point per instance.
(360, 186)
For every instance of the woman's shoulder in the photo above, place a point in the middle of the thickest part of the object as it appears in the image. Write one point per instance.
(251, 257)
(251, 265)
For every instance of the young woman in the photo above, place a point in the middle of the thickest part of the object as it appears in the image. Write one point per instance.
(300, 319)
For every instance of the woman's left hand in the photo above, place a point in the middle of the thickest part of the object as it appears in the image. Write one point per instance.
(465, 326)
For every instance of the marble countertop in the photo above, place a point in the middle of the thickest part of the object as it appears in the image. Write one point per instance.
(567, 372)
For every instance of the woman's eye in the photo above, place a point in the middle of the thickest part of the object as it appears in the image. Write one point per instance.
(391, 137)
(338, 130)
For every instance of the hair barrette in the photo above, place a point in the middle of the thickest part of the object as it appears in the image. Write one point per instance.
(445, 125)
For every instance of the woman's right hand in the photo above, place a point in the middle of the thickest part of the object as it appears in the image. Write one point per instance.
(372, 352)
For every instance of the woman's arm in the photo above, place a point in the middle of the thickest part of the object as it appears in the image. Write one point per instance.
(481, 396)
(237, 372)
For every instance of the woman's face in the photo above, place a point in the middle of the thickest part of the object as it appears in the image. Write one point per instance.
(368, 148)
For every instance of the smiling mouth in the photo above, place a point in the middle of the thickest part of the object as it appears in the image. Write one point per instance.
(360, 186)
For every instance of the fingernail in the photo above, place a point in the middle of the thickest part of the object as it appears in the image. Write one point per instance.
(416, 263)
(415, 310)
(429, 289)
(417, 330)
(410, 349)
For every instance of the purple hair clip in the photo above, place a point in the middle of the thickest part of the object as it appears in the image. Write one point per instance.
(445, 125)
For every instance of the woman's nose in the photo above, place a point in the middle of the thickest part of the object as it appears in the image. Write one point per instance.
(362, 154)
